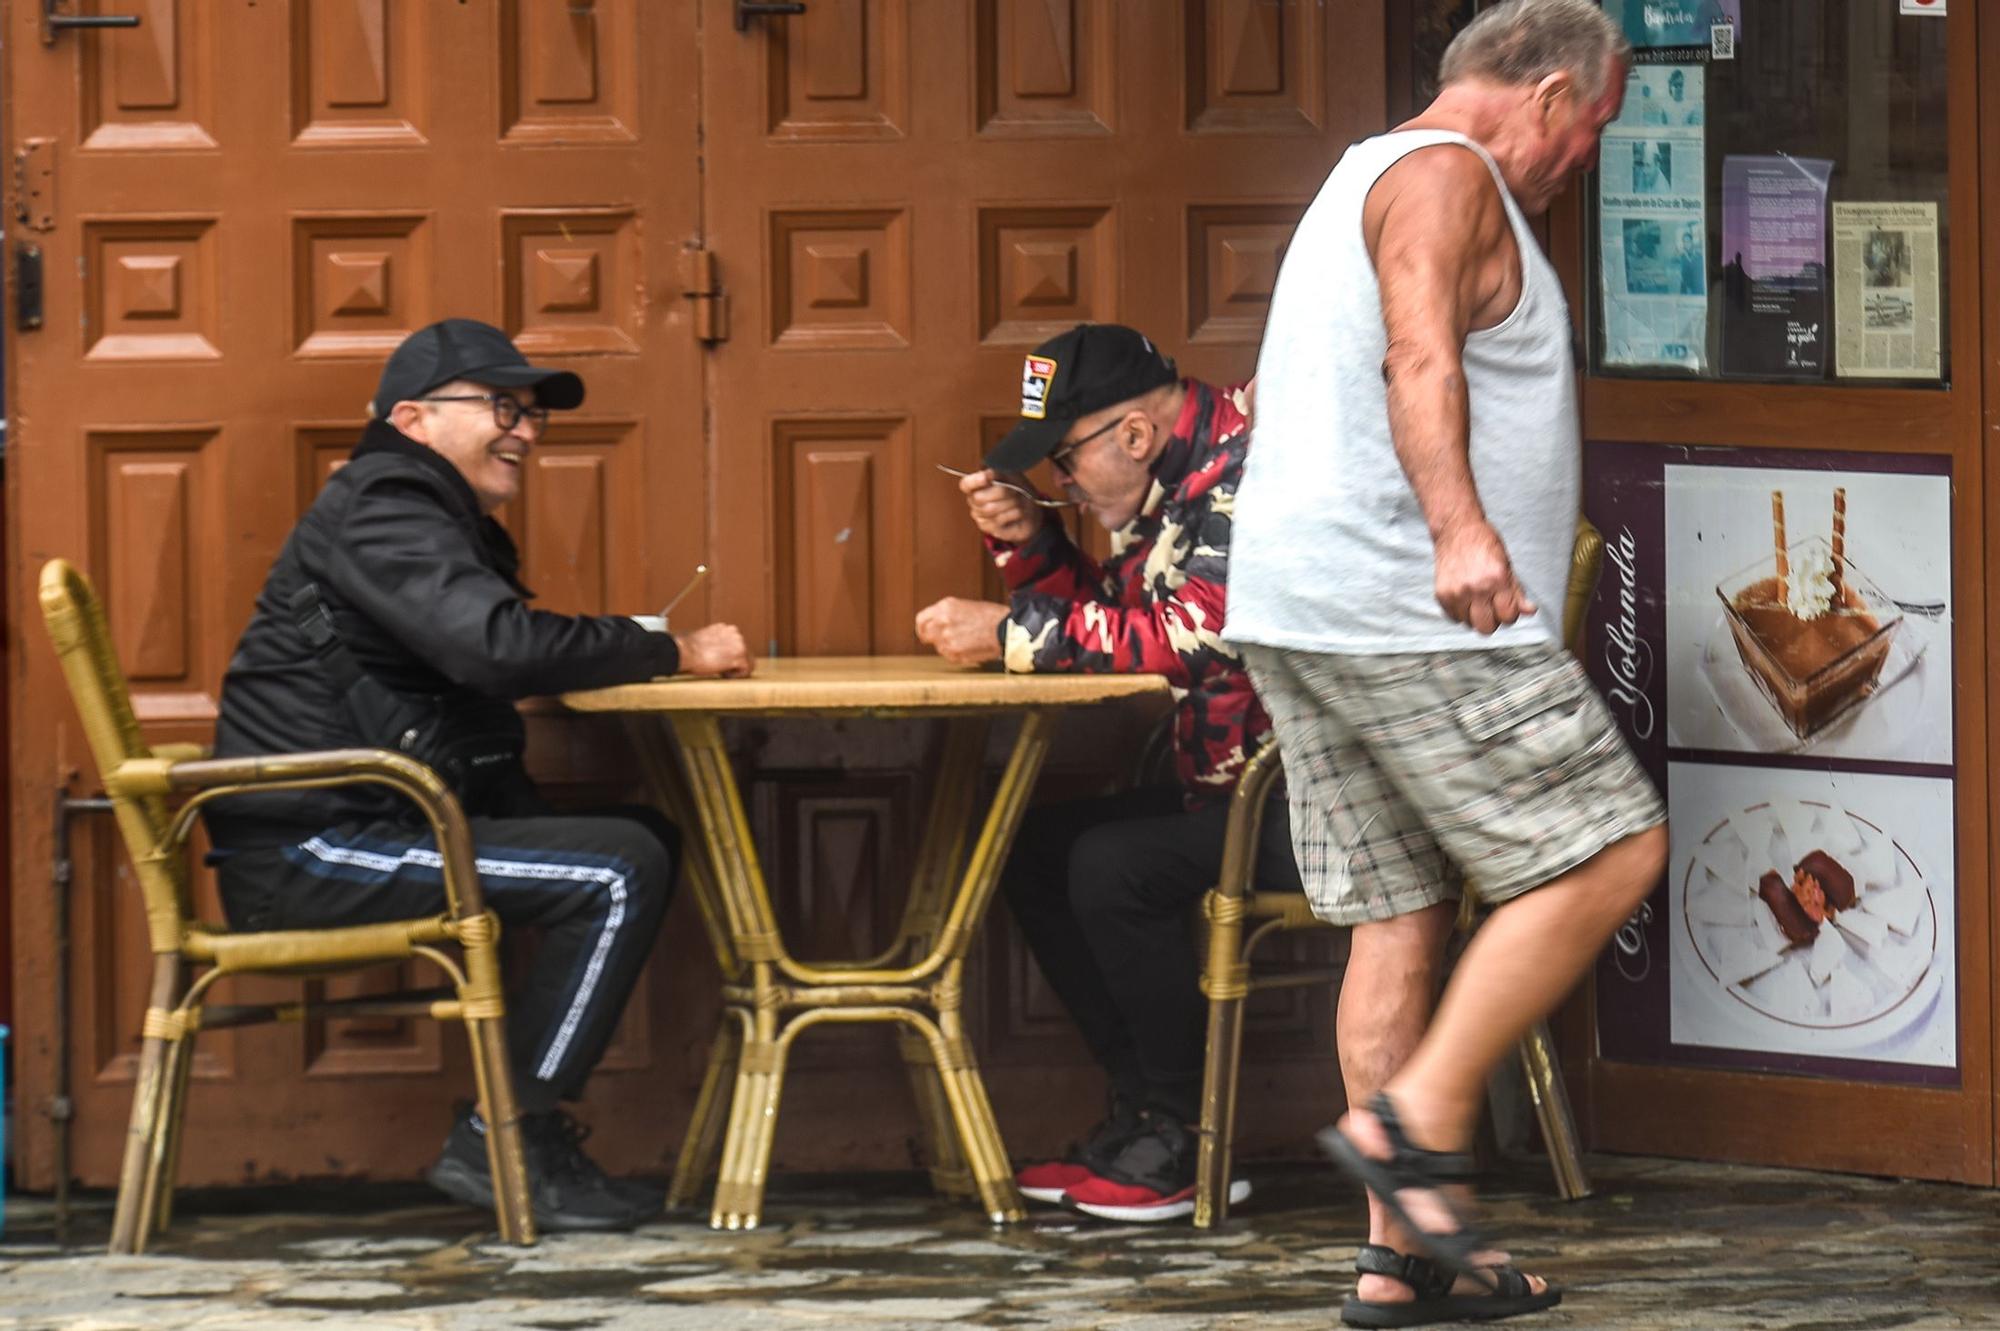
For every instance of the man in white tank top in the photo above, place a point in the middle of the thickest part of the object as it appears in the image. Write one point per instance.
(1402, 545)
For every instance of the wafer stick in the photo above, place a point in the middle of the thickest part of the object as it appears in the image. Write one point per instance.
(1778, 534)
(1839, 533)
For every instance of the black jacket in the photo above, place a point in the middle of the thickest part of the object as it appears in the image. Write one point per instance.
(418, 636)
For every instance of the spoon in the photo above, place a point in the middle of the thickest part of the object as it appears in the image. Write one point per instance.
(1018, 489)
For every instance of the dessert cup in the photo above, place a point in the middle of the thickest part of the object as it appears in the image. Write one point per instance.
(1812, 671)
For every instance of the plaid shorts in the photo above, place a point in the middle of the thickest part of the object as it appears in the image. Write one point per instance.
(1411, 775)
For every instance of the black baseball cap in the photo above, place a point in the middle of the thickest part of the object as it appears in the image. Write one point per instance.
(1089, 368)
(468, 349)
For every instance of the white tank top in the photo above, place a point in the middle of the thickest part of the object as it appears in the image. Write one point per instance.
(1330, 552)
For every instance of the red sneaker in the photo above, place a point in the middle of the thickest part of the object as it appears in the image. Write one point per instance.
(1048, 1181)
(1152, 1179)
(1108, 1199)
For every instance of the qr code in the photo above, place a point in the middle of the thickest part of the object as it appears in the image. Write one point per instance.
(1722, 42)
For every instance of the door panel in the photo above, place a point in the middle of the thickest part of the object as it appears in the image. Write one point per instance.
(904, 196)
(229, 259)
(251, 204)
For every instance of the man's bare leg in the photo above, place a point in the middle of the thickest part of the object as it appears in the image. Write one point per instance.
(1386, 996)
(1517, 968)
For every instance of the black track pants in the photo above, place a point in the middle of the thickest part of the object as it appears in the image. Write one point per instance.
(1105, 893)
(595, 884)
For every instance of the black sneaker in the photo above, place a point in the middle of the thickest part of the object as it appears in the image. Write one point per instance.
(1151, 1180)
(1050, 1179)
(562, 1139)
(565, 1187)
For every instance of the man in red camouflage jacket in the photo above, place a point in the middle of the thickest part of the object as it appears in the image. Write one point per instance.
(1104, 889)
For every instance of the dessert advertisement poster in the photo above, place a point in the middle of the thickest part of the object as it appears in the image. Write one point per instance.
(1772, 630)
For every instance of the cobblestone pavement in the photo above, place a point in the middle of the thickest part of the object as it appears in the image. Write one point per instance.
(1661, 1245)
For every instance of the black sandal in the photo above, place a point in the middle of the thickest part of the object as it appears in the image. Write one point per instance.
(1411, 1168)
(1434, 1301)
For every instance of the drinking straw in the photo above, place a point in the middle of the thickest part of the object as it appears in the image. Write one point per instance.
(1778, 534)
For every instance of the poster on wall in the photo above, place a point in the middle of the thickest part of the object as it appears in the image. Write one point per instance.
(1653, 215)
(1675, 22)
(1774, 265)
(1885, 291)
(1773, 632)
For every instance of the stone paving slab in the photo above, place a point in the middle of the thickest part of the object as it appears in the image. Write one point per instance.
(1678, 1247)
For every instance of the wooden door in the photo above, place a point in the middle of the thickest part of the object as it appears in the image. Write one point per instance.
(902, 198)
(239, 209)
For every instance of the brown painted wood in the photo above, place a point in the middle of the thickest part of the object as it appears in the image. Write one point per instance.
(1982, 226)
(1756, 1119)
(900, 206)
(253, 203)
(1723, 1115)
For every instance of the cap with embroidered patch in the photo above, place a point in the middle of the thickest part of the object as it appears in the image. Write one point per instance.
(1089, 368)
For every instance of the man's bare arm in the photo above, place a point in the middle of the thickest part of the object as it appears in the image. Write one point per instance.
(1444, 257)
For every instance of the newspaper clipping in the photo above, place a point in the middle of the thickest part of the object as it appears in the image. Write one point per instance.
(1885, 264)
(1652, 206)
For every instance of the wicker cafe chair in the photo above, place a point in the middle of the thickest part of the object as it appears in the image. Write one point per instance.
(1228, 980)
(139, 780)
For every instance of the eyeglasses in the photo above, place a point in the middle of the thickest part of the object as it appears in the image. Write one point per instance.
(1060, 458)
(507, 409)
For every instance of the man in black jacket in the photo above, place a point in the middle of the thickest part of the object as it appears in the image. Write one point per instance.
(394, 617)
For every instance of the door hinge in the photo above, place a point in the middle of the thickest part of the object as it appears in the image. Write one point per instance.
(35, 184)
(703, 288)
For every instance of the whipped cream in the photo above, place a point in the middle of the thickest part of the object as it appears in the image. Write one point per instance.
(1809, 589)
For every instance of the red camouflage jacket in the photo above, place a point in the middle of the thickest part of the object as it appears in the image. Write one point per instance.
(1156, 605)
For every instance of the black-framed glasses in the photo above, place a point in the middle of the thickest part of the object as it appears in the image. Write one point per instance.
(1060, 458)
(507, 409)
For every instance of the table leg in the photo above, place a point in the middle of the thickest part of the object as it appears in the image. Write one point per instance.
(711, 1114)
(745, 907)
(947, 829)
(652, 741)
(958, 1070)
(743, 928)
(978, 1131)
(760, 1080)
(949, 1173)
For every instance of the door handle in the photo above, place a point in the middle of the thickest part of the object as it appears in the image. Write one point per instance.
(55, 22)
(746, 10)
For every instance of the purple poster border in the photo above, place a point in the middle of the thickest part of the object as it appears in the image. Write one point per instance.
(1624, 648)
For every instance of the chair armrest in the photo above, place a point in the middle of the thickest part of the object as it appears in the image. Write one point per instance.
(180, 753)
(1246, 820)
(210, 778)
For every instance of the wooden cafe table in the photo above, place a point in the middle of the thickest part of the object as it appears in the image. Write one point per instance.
(769, 996)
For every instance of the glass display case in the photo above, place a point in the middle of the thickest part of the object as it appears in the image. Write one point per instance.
(1771, 203)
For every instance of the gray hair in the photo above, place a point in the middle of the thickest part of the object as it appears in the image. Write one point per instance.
(1522, 42)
